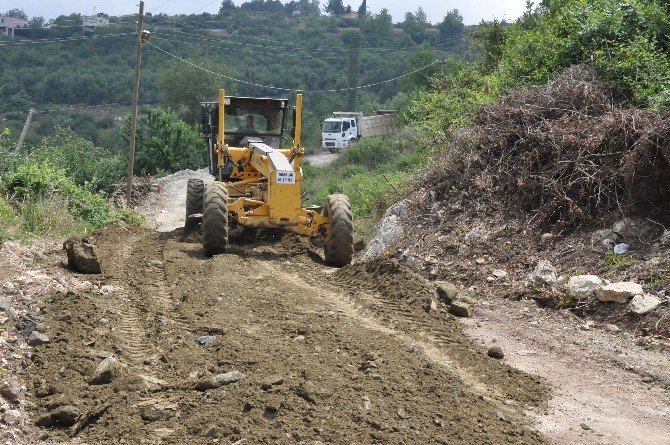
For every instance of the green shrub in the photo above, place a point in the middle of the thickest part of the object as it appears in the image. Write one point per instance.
(93, 167)
(31, 183)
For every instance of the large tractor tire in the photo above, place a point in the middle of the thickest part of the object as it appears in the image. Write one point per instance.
(215, 219)
(194, 193)
(339, 246)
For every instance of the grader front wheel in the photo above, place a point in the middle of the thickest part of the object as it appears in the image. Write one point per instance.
(339, 247)
(215, 219)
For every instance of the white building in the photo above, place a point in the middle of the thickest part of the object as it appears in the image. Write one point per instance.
(9, 24)
(91, 22)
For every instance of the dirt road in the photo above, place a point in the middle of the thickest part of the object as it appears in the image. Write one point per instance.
(317, 355)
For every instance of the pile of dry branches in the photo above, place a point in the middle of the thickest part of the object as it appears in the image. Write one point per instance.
(569, 151)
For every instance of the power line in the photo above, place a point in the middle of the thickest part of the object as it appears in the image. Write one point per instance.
(64, 39)
(291, 89)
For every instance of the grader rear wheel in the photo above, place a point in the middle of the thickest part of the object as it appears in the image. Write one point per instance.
(194, 192)
(339, 247)
(215, 219)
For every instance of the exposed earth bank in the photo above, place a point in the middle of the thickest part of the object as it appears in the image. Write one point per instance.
(266, 344)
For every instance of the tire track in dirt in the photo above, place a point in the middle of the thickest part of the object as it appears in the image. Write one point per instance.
(143, 299)
(125, 303)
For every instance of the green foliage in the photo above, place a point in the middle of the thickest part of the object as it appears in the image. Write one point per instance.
(33, 184)
(627, 43)
(453, 101)
(419, 80)
(87, 165)
(490, 38)
(183, 86)
(452, 25)
(416, 26)
(166, 144)
(16, 13)
(374, 173)
(614, 262)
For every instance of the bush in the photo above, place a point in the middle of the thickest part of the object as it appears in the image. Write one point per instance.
(31, 183)
(93, 167)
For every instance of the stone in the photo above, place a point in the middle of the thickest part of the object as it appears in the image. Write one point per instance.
(618, 292)
(621, 248)
(271, 382)
(605, 237)
(664, 240)
(642, 304)
(499, 274)
(582, 286)
(108, 370)
(387, 232)
(81, 255)
(460, 309)
(65, 415)
(612, 328)
(631, 228)
(495, 352)
(11, 391)
(11, 417)
(37, 338)
(446, 291)
(544, 273)
(219, 380)
(156, 413)
(206, 340)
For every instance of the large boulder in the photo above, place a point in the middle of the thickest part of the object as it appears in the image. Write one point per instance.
(388, 231)
(81, 255)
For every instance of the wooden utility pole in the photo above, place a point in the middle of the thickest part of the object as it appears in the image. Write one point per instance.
(25, 129)
(133, 113)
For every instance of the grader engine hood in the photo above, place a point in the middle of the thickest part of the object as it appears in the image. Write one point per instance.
(280, 171)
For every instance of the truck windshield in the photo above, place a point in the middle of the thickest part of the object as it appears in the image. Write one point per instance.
(332, 127)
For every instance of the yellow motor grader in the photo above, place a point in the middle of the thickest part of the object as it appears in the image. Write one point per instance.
(258, 184)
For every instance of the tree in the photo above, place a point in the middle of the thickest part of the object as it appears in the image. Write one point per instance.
(417, 78)
(165, 143)
(452, 26)
(377, 27)
(335, 7)
(309, 8)
(183, 86)
(363, 9)
(416, 25)
(17, 14)
(226, 7)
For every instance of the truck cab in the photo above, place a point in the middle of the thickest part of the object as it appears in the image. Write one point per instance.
(338, 132)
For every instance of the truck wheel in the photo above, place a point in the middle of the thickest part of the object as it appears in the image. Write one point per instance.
(194, 191)
(339, 246)
(215, 219)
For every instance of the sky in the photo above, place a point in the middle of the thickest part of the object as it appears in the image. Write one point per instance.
(472, 11)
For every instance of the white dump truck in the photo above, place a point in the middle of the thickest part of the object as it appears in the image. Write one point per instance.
(347, 127)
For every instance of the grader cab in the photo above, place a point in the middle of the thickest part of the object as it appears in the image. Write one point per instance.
(258, 182)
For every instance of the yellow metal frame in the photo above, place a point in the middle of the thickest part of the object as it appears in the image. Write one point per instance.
(266, 191)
